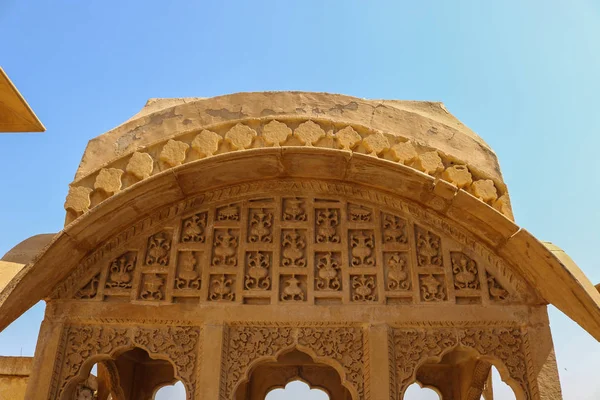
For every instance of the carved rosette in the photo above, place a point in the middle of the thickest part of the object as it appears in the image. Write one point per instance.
(248, 345)
(81, 345)
(410, 347)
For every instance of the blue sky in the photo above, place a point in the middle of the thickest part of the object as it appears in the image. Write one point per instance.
(522, 74)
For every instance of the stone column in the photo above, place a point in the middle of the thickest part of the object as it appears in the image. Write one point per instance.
(379, 382)
(209, 381)
(47, 351)
(544, 369)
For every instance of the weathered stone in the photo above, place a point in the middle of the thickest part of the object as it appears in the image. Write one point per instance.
(458, 175)
(109, 180)
(430, 162)
(347, 138)
(174, 152)
(404, 152)
(309, 133)
(78, 199)
(240, 136)
(276, 133)
(206, 143)
(485, 190)
(140, 165)
(376, 143)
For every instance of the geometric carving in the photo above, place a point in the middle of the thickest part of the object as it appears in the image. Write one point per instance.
(346, 262)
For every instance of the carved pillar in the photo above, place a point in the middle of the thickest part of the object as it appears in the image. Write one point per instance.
(43, 379)
(544, 368)
(380, 364)
(210, 369)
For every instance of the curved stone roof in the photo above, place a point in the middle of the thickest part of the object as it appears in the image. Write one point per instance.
(170, 132)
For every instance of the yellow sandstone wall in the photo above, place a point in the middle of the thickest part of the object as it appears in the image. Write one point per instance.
(14, 374)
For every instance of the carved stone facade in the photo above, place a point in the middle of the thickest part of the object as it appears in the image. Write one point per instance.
(310, 250)
(337, 240)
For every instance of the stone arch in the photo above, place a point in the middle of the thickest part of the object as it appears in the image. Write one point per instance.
(422, 386)
(341, 348)
(510, 356)
(85, 345)
(294, 364)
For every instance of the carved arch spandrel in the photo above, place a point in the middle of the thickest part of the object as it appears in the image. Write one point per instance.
(84, 345)
(389, 250)
(505, 347)
(344, 348)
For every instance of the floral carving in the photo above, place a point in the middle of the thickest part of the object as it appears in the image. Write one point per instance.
(82, 342)
(225, 248)
(327, 221)
(188, 276)
(343, 344)
(221, 288)
(246, 344)
(293, 253)
(394, 229)
(358, 213)
(258, 270)
(206, 143)
(496, 291)
(90, 290)
(364, 288)
(362, 245)
(159, 248)
(120, 271)
(153, 287)
(429, 248)
(327, 274)
(411, 346)
(464, 269)
(261, 222)
(503, 343)
(193, 228)
(228, 213)
(433, 287)
(293, 288)
(309, 133)
(397, 276)
(294, 210)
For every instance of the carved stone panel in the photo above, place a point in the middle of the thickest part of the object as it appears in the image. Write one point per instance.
(246, 346)
(310, 249)
(82, 345)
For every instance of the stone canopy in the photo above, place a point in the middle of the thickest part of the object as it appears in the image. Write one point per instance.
(287, 208)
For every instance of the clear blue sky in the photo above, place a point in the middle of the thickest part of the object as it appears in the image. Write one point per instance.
(522, 74)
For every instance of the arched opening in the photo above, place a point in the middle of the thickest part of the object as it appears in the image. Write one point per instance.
(129, 374)
(291, 367)
(461, 373)
(171, 392)
(297, 390)
(416, 392)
